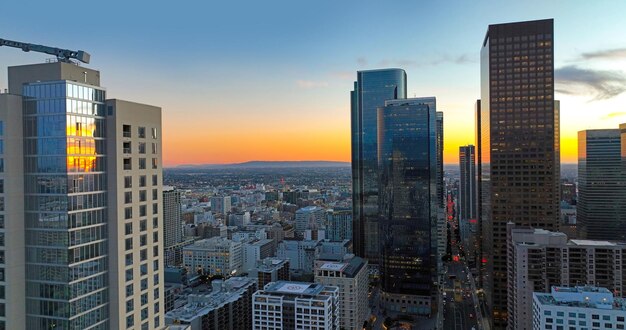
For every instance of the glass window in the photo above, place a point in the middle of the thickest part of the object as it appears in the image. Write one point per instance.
(142, 211)
(155, 163)
(142, 181)
(126, 146)
(129, 244)
(130, 321)
(128, 197)
(130, 306)
(142, 147)
(128, 228)
(128, 212)
(154, 132)
(142, 163)
(143, 240)
(141, 131)
(155, 179)
(155, 236)
(129, 274)
(128, 182)
(154, 148)
(142, 195)
(1, 186)
(155, 222)
(1, 128)
(143, 225)
(155, 208)
(127, 164)
(155, 194)
(129, 290)
(126, 130)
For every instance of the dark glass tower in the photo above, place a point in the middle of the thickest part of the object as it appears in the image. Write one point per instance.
(371, 90)
(601, 186)
(467, 201)
(440, 186)
(407, 160)
(519, 142)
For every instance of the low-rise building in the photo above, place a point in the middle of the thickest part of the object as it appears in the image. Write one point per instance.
(270, 270)
(227, 307)
(213, 256)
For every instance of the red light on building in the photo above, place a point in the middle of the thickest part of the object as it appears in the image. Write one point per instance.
(456, 258)
(473, 221)
(484, 260)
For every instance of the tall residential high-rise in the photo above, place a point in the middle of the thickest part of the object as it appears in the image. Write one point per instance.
(371, 90)
(135, 215)
(601, 213)
(172, 227)
(467, 201)
(519, 142)
(407, 158)
(76, 257)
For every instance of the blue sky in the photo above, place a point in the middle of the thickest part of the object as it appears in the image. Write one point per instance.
(286, 67)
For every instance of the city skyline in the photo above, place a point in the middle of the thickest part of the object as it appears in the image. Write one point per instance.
(294, 70)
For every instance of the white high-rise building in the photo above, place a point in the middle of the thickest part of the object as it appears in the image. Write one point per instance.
(578, 308)
(80, 204)
(296, 305)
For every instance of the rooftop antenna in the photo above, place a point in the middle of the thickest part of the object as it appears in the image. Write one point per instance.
(63, 55)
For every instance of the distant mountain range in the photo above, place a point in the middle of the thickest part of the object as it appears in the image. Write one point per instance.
(268, 164)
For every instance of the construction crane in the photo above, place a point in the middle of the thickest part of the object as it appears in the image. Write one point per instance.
(63, 55)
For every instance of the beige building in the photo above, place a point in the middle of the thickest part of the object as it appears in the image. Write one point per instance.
(351, 277)
(539, 259)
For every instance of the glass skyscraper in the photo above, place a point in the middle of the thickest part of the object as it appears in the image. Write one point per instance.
(601, 210)
(371, 90)
(407, 160)
(467, 202)
(519, 143)
(65, 206)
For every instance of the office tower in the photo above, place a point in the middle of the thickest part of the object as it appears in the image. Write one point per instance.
(221, 204)
(213, 256)
(227, 307)
(270, 270)
(172, 227)
(309, 217)
(519, 142)
(135, 214)
(578, 308)
(407, 161)
(339, 224)
(65, 178)
(296, 305)
(440, 185)
(371, 90)
(539, 259)
(351, 277)
(467, 202)
(601, 213)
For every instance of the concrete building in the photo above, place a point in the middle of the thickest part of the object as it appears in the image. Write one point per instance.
(300, 253)
(339, 224)
(352, 278)
(310, 217)
(578, 308)
(66, 154)
(221, 204)
(296, 305)
(172, 227)
(270, 270)
(213, 256)
(239, 219)
(227, 307)
(255, 250)
(539, 259)
(519, 148)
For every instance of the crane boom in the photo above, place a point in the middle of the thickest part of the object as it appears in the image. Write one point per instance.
(63, 55)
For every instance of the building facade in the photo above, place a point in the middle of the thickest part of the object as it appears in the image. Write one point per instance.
(310, 217)
(600, 210)
(578, 308)
(352, 279)
(519, 142)
(213, 256)
(339, 224)
(172, 227)
(467, 202)
(296, 305)
(540, 259)
(408, 205)
(67, 209)
(371, 90)
(221, 204)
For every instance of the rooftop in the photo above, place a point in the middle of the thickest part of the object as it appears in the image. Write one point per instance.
(587, 242)
(581, 297)
(296, 288)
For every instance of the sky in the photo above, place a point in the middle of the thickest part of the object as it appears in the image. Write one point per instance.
(271, 80)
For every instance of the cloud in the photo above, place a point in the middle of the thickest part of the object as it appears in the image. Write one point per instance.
(344, 75)
(603, 84)
(615, 114)
(309, 84)
(608, 54)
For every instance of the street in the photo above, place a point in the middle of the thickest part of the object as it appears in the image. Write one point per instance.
(459, 315)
